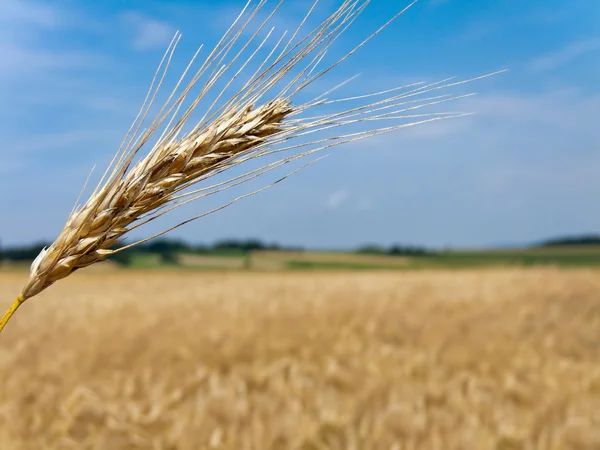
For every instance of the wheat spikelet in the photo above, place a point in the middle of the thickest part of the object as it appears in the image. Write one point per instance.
(92, 231)
(263, 117)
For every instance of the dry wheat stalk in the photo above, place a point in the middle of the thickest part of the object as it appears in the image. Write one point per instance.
(261, 118)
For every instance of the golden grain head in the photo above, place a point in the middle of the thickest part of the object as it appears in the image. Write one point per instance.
(92, 231)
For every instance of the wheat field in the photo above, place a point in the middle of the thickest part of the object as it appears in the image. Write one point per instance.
(482, 359)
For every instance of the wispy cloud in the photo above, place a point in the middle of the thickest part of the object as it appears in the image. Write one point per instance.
(438, 129)
(560, 57)
(25, 28)
(337, 199)
(30, 13)
(343, 198)
(40, 152)
(21, 62)
(525, 18)
(148, 33)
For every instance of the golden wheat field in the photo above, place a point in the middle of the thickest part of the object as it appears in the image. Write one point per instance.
(489, 359)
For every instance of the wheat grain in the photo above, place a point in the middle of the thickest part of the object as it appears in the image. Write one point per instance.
(265, 116)
(93, 230)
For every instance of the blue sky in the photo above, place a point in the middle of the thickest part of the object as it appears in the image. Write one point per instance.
(73, 74)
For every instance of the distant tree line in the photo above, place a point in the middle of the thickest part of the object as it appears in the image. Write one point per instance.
(395, 250)
(167, 249)
(24, 253)
(584, 240)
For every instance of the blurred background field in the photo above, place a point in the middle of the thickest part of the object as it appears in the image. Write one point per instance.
(488, 358)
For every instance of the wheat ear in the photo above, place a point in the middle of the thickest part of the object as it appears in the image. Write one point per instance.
(265, 116)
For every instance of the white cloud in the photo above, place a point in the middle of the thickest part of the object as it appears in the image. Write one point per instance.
(31, 13)
(437, 129)
(35, 152)
(564, 55)
(337, 199)
(148, 33)
(565, 113)
(25, 28)
(517, 139)
(19, 61)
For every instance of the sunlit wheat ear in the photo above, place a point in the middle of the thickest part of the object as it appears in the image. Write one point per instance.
(265, 116)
